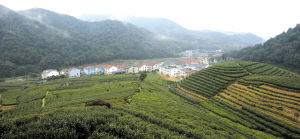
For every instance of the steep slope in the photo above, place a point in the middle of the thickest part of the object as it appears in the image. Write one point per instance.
(38, 39)
(245, 93)
(27, 42)
(173, 30)
(283, 49)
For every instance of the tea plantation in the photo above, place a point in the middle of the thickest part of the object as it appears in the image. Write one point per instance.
(223, 101)
(252, 94)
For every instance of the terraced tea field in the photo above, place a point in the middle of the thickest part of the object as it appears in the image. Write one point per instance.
(252, 94)
(263, 69)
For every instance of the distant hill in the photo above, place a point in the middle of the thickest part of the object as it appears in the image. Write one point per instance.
(37, 39)
(283, 49)
(173, 30)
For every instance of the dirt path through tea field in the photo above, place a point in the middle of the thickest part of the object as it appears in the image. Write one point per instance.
(0, 100)
(43, 100)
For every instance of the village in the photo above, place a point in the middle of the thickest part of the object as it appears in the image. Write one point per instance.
(168, 69)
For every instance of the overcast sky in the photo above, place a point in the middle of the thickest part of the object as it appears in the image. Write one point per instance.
(265, 18)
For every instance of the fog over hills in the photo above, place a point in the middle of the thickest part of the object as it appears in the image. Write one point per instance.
(38, 39)
(173, 30)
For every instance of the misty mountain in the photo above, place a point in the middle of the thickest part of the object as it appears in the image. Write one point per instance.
(172, 30)
(37, 39)
(283, 49)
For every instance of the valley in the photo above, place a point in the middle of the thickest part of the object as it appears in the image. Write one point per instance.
(224, 100)
(108, 75)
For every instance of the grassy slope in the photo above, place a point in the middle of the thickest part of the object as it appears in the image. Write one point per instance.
(152, 113)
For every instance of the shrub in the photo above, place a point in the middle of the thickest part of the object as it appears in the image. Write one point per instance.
(99, 102)
(280, 108)
(143, 76)
(296, 114)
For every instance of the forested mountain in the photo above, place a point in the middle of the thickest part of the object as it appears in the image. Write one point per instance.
(283, 49)
(172, 30)
(37, 39)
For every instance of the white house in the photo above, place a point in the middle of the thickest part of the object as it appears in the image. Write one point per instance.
(171, 71)
(74, 72)
(132, 69)
(49, 73)
(142, 67)
(109, 68)
(152, 66)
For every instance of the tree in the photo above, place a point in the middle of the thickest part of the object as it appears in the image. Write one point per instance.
(143, 76)
(33, 75)
(225, 56)
(265, 59)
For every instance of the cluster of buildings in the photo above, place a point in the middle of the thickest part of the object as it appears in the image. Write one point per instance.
(172, 68)
(200, 53)
(103, 69)
(183, 68)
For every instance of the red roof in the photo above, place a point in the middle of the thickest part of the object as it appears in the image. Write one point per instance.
(89, 67)
(103, 66)
(71, 69)
(140, 65)
(98, 66)
(190, 61)
(145, 63)
(187, 61)
(152, 63)
(136, 63)
(108, 66)
(121, 66)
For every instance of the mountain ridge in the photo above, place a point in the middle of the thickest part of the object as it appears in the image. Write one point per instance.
(172, 29)
(38, 39)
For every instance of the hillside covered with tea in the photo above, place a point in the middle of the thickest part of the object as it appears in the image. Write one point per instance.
(228, 100)
(255, 95)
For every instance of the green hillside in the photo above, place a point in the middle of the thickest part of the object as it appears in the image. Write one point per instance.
(222, 101)
(173, 30)
(283, 49)
(133, 109)
(38, 39)
(255, 95)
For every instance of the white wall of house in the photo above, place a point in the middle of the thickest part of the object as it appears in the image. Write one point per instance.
(74, 73)
(149, 68)
(133, 70)
(85, 71)
(53, 73)
(156, 67)
(111, 69)
(49, 73)
(143, 68)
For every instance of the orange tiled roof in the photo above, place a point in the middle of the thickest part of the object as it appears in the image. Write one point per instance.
(121, 66)
(152, 63)
(89, 67)
(71, 69)
(98, 66)
(140, 65)
(108, 66)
